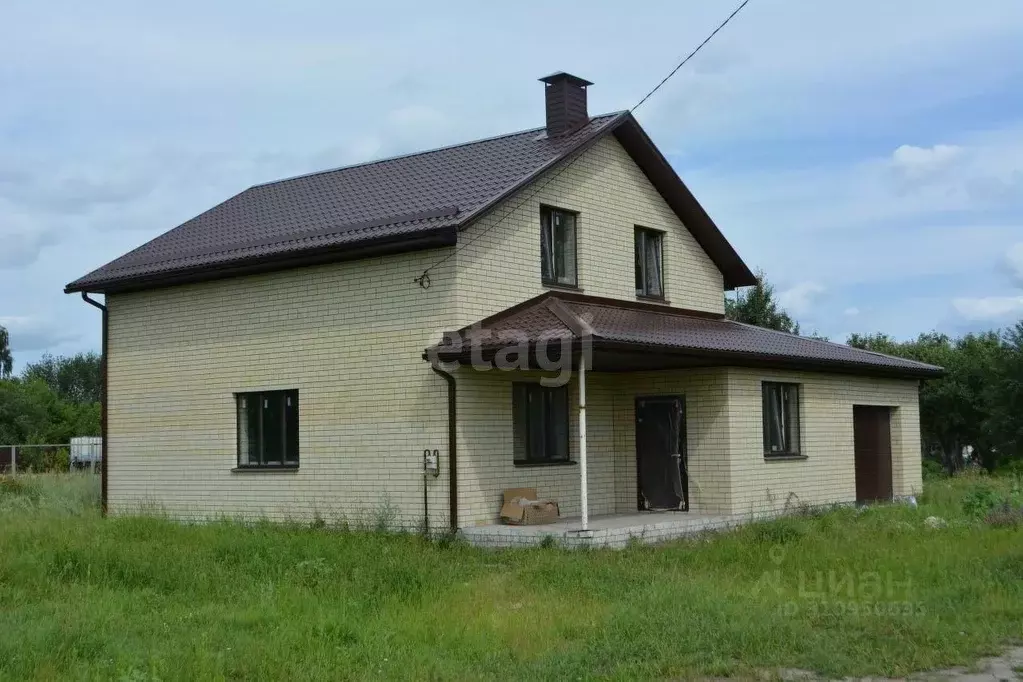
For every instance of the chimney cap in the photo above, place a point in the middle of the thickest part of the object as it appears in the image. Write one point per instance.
(559, 76)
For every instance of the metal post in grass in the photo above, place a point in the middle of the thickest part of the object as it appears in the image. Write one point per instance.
(14, 460)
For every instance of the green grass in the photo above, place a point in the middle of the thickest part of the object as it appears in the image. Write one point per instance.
(844, 593)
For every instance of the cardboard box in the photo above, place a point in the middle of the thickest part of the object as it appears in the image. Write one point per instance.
(522, 508)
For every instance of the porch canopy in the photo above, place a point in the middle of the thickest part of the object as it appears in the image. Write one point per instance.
(624, 336)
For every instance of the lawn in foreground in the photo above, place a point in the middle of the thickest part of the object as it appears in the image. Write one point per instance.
(845, 593)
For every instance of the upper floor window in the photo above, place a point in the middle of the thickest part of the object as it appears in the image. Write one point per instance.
(649, 263)
(557, 246)
(540, 417)
(781, 418)
(268, 429)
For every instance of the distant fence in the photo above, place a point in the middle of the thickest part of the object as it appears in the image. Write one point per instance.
(80, 453)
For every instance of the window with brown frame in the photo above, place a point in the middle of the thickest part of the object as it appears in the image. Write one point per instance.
(540, 418)
(649, 263)
(558, 246)
(267, 429)
(781, 419)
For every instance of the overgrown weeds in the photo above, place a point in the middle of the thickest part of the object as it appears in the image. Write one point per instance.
(841, 592)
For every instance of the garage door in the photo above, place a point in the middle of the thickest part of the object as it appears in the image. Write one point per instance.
(872, 431)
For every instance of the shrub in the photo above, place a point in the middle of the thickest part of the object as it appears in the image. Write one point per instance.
(57, 459)
(1012, 467)
(984, 500)
(44, 459)
(933, 470)
(981, 500)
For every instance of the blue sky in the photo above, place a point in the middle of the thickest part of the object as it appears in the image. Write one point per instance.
(868, 155)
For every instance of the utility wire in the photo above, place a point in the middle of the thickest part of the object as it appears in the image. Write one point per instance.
(424, 279)
(691, 54)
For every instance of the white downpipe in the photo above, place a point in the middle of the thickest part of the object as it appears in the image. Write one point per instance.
(583, 492)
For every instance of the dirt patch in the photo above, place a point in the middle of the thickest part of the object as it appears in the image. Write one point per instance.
(1007, 667)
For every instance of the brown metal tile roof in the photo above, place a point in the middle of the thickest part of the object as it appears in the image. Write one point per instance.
(415, 201)
(651, 329)
(353, 205)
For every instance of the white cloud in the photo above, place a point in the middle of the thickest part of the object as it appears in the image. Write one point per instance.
(990, 308)
(918, 162)
(798, 299)
(851, 312)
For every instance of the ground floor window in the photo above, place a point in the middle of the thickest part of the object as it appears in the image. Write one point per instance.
(781, 419)
(268, 429)
(540, 416)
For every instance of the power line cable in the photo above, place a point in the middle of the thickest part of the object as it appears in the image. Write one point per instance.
(691, 54)
(424, 279)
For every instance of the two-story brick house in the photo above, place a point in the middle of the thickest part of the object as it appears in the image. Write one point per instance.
(294, 351)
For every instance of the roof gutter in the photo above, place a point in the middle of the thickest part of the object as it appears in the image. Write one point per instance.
(452, 446)
(425, 239)
(105, 464)
(711, 358)
(766, 360)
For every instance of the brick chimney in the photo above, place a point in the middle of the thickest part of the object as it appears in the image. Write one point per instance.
(566, 102)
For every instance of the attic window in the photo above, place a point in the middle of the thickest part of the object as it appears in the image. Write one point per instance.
(557, 246)
(649, 263)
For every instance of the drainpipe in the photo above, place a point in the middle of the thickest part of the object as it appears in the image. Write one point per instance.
(452, 447)
(102, 403)
(583, 491)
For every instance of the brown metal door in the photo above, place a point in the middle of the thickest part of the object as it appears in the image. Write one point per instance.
(661, 471)
(872, 435)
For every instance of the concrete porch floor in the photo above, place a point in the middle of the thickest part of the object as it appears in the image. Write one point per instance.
(613, 530)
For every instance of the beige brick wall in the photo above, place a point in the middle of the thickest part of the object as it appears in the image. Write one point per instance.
(501, 265)
(707, 421)
(348, 336)
(827, 474)
(485, 434)
(486, 459)
(728, 472)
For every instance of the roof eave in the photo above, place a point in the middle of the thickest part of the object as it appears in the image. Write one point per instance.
(427, 239)
(742, 358)
(717, 357)
(682, 201)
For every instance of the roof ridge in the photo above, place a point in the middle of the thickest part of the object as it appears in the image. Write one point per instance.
(575, 323)
(422, 152)
(641, 306)
(830, 343)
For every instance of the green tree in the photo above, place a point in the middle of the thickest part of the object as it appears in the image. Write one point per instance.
(31, 412)
(6, 360)
(25, 411)
(76, 379)
(956, 409)
(1006, 422)
(756, 305)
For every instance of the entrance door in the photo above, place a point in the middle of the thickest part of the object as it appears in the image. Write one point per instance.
(872, 435)
(660, 453)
